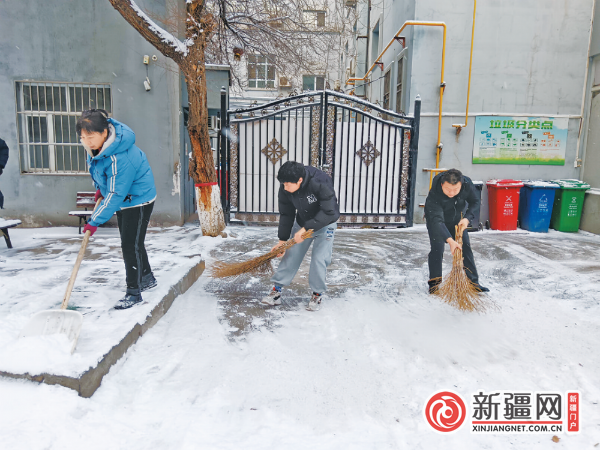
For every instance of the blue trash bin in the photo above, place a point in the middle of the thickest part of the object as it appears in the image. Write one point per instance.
(535, 205)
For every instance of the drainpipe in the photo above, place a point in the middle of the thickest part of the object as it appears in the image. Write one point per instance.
(458, 126)
(578, 161)
(442, 83)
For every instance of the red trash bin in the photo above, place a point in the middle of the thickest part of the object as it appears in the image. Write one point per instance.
(503, 199)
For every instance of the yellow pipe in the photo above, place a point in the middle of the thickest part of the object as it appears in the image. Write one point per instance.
(456, 125)
(442, 84)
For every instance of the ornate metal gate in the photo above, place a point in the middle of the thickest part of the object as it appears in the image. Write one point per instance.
(369, 152)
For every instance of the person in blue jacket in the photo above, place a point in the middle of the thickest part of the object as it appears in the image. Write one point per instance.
(123, 178)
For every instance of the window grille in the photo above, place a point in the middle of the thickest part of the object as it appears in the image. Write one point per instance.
(261, 72)
(47, 113)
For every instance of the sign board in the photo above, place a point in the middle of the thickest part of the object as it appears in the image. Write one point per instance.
(520, 140)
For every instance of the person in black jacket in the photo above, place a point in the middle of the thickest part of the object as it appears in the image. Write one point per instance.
(3, 159)
(451, 195)
(307, 201)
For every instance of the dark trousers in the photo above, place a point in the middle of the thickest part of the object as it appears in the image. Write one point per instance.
(436, 254)
(133, 223)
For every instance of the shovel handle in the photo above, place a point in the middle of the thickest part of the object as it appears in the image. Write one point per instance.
(84, 243)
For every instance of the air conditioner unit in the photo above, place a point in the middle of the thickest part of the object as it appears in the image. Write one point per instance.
(351, 3)
(352, 67)
(284, 82)
(213, 122)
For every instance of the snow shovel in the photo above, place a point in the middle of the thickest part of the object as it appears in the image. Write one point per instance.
(61, 321)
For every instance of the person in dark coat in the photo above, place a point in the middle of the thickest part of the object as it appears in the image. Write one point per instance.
(307, 201)
(452, 200)
(3, 160)
(123, 179)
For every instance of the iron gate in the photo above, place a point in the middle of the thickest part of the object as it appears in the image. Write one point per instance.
(369, 152)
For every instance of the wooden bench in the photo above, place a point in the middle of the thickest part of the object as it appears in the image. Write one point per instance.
(84, 200)
(4, 226)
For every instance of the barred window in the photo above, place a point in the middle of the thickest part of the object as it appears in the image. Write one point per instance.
(46, 117)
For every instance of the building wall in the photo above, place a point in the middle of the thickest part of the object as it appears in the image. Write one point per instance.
(529, 59)
(87, 42)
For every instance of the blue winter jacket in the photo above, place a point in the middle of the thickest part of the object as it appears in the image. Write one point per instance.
(122, 173)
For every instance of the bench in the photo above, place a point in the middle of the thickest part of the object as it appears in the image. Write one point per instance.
(4, 226)
(84, 200)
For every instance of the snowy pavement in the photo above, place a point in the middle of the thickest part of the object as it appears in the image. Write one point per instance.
(220, 371)
(34, 276)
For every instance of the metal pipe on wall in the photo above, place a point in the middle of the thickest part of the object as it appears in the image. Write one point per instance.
(442, 83)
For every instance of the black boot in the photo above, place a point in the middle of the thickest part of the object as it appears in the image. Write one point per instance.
(434, 284)
(148, 282)
(132, 297)
(480, 288)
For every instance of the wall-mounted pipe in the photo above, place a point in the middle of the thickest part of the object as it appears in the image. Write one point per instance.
(460, 126)
(442, 83)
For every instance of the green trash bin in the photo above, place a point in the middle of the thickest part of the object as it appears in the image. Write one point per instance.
(568, 203)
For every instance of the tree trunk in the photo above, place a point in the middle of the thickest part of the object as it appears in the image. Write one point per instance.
(202, 165)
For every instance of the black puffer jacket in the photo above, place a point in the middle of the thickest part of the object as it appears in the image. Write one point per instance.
(3, 154)
(442, 211)
(313, 206)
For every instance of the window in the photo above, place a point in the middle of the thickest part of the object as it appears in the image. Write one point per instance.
(314, 18)
(399, 79)
(313, 82)
(386, 90)
(375, 43)
(46, 117)
(261, 72)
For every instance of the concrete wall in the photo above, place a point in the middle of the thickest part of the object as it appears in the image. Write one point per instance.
(86, 42)
(529, 59)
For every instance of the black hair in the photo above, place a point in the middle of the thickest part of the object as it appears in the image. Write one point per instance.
(452, 176)
(291, 172)
(92, 121)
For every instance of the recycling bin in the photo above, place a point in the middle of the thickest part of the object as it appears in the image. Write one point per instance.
(503, 200)
(568, 204)
(535, 205)
(476, 225)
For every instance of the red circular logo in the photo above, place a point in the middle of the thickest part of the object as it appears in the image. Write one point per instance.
(445, 411)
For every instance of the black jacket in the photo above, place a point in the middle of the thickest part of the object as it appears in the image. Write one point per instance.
(313, 206)
(3, 154)
(442, 211)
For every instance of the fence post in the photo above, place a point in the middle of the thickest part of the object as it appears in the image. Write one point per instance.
(413, 152)
(224, 166)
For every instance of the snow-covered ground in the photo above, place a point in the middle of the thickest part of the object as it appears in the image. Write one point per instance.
(219, 371)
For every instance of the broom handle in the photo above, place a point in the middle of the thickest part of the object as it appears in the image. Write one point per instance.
(84, 243)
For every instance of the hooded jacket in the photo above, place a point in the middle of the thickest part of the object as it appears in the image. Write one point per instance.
(442, 211)
(122, 173)
(314, 205)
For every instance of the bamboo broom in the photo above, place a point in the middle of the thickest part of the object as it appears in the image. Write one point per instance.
(260, 264)
(456, 289)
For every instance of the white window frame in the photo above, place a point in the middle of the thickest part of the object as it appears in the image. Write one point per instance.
(311, 17)
(403, 55)
(24, 129)
(314, 77)
(266, 79)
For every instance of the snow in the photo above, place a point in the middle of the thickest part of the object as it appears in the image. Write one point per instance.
(6, 223)
(165, 36)
(35, 274)
(540, 184)
(220, 371)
